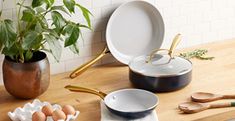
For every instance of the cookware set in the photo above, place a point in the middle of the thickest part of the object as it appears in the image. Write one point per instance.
(134, 35)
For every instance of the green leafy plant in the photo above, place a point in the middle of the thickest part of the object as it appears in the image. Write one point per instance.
(197, 53)
(41, 26)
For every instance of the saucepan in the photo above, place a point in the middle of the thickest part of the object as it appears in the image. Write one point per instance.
(129, 103)
(161, 72)
(135, 28)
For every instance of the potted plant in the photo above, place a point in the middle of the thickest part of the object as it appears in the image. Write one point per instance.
(41, 27)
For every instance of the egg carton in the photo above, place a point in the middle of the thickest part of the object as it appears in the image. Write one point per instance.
(25, 113)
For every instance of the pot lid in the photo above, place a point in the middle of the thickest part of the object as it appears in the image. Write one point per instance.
(160, 65)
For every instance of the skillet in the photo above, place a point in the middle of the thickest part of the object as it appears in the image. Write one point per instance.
(135, 28)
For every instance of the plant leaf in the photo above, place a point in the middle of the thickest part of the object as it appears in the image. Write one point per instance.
(53, 33)
(58, 20)
(38, 28)
(28, 55)
(28, 15)
(32, 38)
(7, 33)
(72, 32)
(84, 26)
(70, 5)
(11, 51)
(36, 3)
(49, 3)
(61, 8)
(54, 45)
(74, 48)
(40, 10)
(86, 14)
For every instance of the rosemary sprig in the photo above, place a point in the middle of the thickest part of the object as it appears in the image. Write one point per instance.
(198, 53)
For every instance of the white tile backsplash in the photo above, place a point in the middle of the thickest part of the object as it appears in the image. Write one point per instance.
(101, 3)
(199, 21)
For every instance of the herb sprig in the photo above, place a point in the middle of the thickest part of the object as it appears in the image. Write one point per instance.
(197, 53)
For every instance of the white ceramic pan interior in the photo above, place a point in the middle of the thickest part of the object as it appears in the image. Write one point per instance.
(135, 28)
(131, 100)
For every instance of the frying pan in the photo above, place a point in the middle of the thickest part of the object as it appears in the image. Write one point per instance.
(129, 103)
(135, 28)
(161, 72)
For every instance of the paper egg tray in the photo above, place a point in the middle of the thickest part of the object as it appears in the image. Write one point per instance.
(25, 113)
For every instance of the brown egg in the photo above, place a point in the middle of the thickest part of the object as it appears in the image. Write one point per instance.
(47, 110)
(38, 116)
(58, 115)
(68, 110)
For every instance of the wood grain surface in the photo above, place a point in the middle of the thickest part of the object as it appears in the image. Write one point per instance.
(216, 76)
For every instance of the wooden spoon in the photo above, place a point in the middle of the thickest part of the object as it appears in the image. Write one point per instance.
(208, 97)
(194, 107)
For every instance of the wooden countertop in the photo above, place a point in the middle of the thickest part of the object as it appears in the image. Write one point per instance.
(217, 76)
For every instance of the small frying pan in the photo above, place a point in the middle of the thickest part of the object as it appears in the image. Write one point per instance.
(129, 103)
(135, 28)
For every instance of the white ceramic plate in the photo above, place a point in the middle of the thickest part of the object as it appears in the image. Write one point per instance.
(135, 28)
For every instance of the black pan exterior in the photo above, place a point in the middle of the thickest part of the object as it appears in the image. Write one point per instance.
(131, 115)
(160, 84)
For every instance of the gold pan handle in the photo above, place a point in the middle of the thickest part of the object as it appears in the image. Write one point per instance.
(174, 44)
(86, 90)
(85, 66)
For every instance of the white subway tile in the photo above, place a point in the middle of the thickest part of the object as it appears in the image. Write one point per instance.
(210, 36)
(85, 3)
(1, 4)
(169, 12)
(67, 54)
(218, 25)
(169, 35)
(98, 48)
(119, 1)
(177, 22)
(107, 11)
(92, 38)
(7, 14)
(72, 64)
(14, 15)
(101, 3)
(9, 4)
(91, 50)
(100, 24)
(231, 3)
(164, 3)
(57, 67)
(96, 13)
(187, 9)
(193, 39)
(218, 4)
(103, 36)
(203, 27)
(199, 21)
(50, 58)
